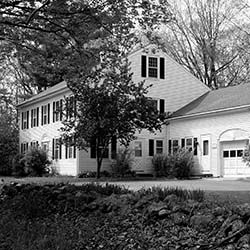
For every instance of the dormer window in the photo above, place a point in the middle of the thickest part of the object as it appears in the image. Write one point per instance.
(153, 67)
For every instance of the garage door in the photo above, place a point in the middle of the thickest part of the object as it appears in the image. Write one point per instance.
(232, 158)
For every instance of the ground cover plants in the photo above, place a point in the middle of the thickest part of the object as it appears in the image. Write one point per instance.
(93, 216)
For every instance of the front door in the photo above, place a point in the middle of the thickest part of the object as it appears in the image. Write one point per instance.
(205, 154)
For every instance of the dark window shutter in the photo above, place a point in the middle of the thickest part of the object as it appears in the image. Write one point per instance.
(22, 121)
(66, 151)
(60, 149)
(93, 149)
(169, 146)
(74, 151)
(53, 149)
(113, 147)
(21, 148)
(162, 105)
(42, 116)
(162, 68)
(37, 116)
(32, 116)
(151, 147)
(54, 111)
(27, 119)
(48, 113)
(183, 142)
(61, 107)
(143, 66)
(195, 146)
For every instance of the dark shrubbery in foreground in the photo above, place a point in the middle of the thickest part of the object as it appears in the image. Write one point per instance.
(178, 165)
(34, 162)
(97, 217)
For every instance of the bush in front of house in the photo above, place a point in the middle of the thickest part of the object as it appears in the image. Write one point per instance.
(178, 165)
(121, 166)
(246, 155)
(34, 162)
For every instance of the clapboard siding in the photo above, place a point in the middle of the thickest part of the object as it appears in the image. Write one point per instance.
(213, 125)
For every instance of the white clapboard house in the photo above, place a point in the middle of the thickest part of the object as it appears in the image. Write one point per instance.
(213, 124)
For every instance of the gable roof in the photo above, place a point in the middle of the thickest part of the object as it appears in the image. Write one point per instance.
(54, 90)
(219, 100)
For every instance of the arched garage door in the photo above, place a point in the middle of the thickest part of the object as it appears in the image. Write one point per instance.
(232, 158)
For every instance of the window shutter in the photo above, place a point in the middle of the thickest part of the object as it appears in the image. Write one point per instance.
(61, 107)
(162, 68)
(21, 148)
(66, 151)
(195, 145)
(53, 149)
(32, 116)
(162, 105)
(27, 119)
(143, 66)
(74, 151)
(151, 147)
(48, 113)
(37, 116)
(113, 147)
(22, 121)
(183, 142)
(169, 146)
(60, 149)
(42, 116)
(93, 149)
(54, 111)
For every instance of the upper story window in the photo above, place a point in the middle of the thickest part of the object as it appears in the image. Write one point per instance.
(57, 111)
(45, 114)
(25, 120)
(34, 117)
(153, 67)
(155, 146)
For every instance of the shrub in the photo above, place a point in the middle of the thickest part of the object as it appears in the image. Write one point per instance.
(36, 162)
(121, 166)
(246, 155)
(18, 166)
(178, 165)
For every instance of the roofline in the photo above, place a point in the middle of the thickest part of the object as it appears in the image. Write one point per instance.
(36, 99)
(209, 112)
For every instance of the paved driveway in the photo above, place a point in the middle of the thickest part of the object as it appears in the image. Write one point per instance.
(208, 184)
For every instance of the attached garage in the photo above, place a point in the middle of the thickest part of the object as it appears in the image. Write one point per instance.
(232, 164)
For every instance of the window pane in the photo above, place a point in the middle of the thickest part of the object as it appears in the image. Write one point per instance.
(152, 62)
(138, 149)
(189, 142)
(232, 153)
(159, 144)
(239, 153)
(225, 154)
(152, 72)
(205, 147)
(175, 143)
(159, 147)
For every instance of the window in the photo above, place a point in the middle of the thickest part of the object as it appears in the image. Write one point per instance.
(34, 144)
(70, 107)
(25, 120)
(153, 67)
(70, 150)
(150, 67)
(232, 153)
(205, 147)
(175, 145)
(159, 146)
(45, 146)
(189, 143)
(138, 149)
(225, 154)
(57, 111)
(24, 147)
(34, 117)
(45, 114)
(240, 153)
(159, 104)
(56, 149)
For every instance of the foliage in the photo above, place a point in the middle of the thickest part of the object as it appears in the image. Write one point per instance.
(121, 166)
(178, 165)
(34, 162)
(8, 140)
(246, 155)
(200, 38)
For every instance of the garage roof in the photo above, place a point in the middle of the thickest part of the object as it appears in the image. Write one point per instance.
(217, 100)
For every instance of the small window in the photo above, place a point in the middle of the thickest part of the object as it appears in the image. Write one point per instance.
(205, 147)
(57, 111)
(45, 114)
(25, 120)
(175, 145)
(239, 153)
(189, 144)
(153, 67)
(225, 154)
(159, 146)
(232, 153)
(45, 146)
(138, 149)
(34, 117)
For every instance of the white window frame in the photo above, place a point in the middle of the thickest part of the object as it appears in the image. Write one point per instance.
(25, 120)
(153, 67)
(45, 114)
(138, 148)
(161, 148)
(34, 116)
